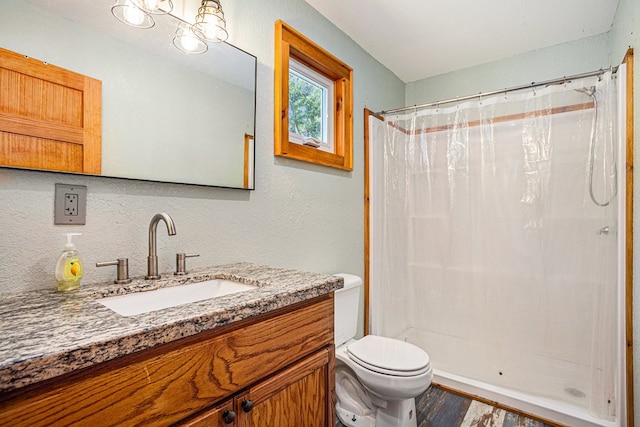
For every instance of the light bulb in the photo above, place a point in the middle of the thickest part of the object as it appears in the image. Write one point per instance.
(210, 24)
(151, 4)
(132, 14)
(211, 29)
(188, 40)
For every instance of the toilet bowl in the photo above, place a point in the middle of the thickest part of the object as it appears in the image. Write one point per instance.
(377, 378)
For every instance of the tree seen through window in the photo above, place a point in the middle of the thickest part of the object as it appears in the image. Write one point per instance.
(305, 106)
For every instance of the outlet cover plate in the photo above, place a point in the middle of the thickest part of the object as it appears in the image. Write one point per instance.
(70, 205)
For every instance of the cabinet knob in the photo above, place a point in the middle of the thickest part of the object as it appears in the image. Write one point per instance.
(247, 405)
(228, 417)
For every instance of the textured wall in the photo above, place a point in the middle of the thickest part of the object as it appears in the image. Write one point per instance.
(300, 215)
(562, 60)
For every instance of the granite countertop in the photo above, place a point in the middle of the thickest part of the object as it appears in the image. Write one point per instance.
(46, 333)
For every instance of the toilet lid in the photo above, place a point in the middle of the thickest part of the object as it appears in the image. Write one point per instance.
(389, 356)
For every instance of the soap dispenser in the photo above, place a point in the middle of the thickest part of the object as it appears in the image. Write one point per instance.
(69, 266)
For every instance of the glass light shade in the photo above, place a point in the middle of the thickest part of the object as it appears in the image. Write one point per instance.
(187, 41)
(154, 7)
(130, 14)
(210, 24)
(209, 27)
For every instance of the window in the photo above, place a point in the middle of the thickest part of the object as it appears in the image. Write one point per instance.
(313, 102)
(310, 107)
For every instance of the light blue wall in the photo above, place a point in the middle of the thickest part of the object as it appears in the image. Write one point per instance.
(300, 215)
(562, 60)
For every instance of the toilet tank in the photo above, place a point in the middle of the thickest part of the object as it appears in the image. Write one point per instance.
(346, 304)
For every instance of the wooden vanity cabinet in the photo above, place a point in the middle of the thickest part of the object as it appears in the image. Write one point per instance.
(281, 361)
(297, 396)
(221, 415)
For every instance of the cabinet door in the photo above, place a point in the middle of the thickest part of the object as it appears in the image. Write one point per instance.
(219, 416)
(301, 395)
(50, 118)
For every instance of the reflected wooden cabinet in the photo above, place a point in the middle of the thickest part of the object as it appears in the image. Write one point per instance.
(276, 369)
(50, 118)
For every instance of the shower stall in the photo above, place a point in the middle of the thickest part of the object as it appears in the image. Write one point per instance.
(497, 244)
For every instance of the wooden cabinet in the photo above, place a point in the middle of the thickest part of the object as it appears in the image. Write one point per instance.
(222, 415)
(283, 362)
(50, 118)
(297, 396)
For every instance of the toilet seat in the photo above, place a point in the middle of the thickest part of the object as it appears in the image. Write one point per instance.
(389, 356)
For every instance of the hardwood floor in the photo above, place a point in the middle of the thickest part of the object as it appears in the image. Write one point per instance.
(440, 408)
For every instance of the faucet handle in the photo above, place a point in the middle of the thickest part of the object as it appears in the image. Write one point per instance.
(123, 270)
(181, 263)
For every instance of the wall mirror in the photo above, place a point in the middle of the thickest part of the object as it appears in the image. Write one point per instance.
(167, 116)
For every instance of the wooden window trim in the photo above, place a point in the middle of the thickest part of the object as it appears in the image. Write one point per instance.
(291, 44)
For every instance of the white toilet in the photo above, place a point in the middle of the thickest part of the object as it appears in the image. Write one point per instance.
(377, 378)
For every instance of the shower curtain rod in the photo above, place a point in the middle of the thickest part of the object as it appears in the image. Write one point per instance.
(496, 92)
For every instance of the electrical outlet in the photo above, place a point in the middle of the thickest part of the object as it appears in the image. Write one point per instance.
(70, 204)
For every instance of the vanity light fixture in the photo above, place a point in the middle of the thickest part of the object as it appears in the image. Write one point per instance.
(209, 27)
(187, 41)
(154, 7)
(210, 24)
(127, 12)
(139, 13)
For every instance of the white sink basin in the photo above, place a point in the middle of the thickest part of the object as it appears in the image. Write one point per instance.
(145, 302)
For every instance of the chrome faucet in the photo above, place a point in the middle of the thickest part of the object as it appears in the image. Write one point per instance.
(152, 259)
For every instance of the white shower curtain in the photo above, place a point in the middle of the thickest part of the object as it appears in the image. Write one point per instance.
(487, 247)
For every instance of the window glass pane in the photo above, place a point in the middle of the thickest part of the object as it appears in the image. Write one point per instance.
(305, 106)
